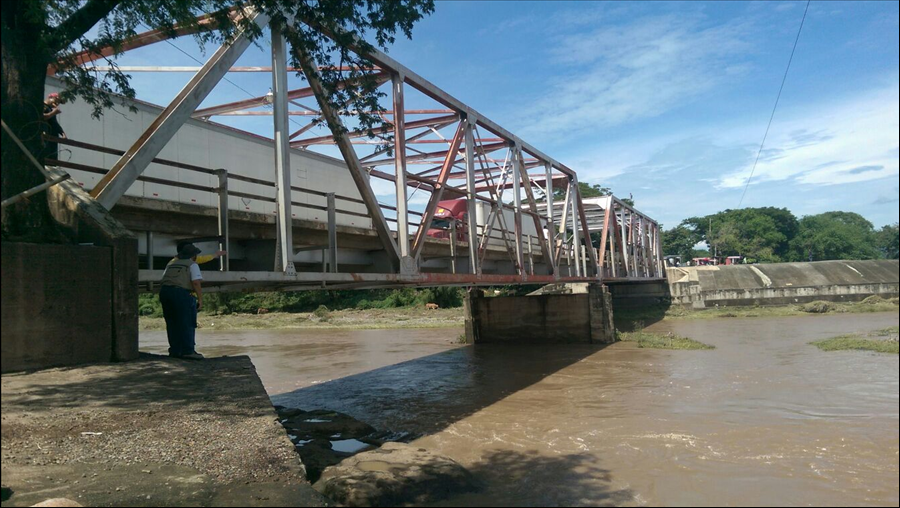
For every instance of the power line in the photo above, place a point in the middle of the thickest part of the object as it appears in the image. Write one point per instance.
(170, 43)
(758, 153)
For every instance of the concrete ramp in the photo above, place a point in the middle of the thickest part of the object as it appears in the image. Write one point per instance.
(783, 283)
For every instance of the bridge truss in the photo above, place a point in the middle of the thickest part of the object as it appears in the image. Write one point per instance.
(449, 151)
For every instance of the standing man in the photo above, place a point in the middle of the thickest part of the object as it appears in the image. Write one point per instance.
(52, 126)
(182, 276)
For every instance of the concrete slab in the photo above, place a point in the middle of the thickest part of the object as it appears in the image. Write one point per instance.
(156, 431)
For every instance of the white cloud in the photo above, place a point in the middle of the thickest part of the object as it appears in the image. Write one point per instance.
(853, 141)
(627, 72)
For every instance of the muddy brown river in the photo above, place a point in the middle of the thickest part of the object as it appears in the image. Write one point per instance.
(764, 419)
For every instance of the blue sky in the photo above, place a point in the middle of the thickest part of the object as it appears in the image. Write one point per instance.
(667, 102)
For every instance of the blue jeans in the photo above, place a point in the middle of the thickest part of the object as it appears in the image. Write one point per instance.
(180, 311)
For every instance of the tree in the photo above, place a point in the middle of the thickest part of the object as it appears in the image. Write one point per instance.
(834, 235)
(759, 233)
(888, 241)
(589, 191)
(680, 241)
(38, 34)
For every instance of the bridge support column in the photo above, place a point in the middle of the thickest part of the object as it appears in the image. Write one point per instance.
(582, 313)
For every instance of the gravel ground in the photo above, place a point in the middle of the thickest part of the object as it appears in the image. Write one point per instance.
(212, 418)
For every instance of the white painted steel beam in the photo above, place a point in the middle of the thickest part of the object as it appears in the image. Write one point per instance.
(471, 224)
(136, 159)
(400, 171)
(284, 238)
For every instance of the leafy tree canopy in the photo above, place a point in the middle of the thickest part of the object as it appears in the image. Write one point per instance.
(834, 235)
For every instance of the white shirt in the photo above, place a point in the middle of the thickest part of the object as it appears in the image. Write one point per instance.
(195, 272)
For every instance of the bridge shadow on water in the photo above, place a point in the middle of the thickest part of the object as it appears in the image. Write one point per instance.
(427, 394)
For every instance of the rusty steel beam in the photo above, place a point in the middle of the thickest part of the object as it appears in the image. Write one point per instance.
(443, 153)
(438, 192)
(263, 100)
(140, 40)
(425, 122)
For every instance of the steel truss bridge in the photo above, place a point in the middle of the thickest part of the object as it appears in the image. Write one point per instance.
(533, 226)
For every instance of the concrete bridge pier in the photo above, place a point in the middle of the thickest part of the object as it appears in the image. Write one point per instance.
(582, 314)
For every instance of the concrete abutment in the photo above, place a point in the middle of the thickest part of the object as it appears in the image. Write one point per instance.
(544, 318)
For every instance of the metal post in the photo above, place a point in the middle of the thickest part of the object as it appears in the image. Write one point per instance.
(453, 246)
(332, 233)
(530, 255)
(551, 230)
(149, 236)
(400, 169)
(576, 239)
(471, 223)
(517, 203)
(222, 175)
(282, 151)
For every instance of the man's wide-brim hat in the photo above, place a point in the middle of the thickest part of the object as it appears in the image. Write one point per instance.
(187, 251)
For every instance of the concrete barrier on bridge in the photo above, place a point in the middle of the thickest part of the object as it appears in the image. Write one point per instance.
(74, 303)
(779, 283)
(582, 317)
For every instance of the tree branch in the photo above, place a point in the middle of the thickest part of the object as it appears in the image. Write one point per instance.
(80, 22)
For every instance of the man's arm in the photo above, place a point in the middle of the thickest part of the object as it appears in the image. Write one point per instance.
(196, 284)
(206, 258)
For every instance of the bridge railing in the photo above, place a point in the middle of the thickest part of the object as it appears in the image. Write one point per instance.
(222, 192)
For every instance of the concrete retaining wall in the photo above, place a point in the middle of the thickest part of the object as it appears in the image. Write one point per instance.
(549, 318)
(56, 305)
(783, 283)
(75, 303)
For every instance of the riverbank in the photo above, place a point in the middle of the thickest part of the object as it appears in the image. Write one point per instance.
(419, 317)
(350, 319)
(152, 432)
(637, 317)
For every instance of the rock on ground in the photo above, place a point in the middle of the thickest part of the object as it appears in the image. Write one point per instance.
(395, 474)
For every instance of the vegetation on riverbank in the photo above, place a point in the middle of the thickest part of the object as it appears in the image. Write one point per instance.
(880, 341)
(309, 301)
(409, 317)
(661, 340)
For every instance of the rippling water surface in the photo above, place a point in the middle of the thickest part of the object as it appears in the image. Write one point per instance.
(762, 419)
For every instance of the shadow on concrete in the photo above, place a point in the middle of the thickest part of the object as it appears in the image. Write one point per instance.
(150, 383)
(426, 395)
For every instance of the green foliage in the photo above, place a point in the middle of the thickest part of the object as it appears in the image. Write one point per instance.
(148, 305)
(587, 191)
(834, 235)
(680, 241)
(310, 301)
(760, 233)
(669, 340)
(888, 241)
(322, 313)
(881, 341)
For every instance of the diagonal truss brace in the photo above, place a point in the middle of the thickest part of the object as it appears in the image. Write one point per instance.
(360, 178)
(126, 170)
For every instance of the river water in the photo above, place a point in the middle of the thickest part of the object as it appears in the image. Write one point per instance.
(764, 419)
